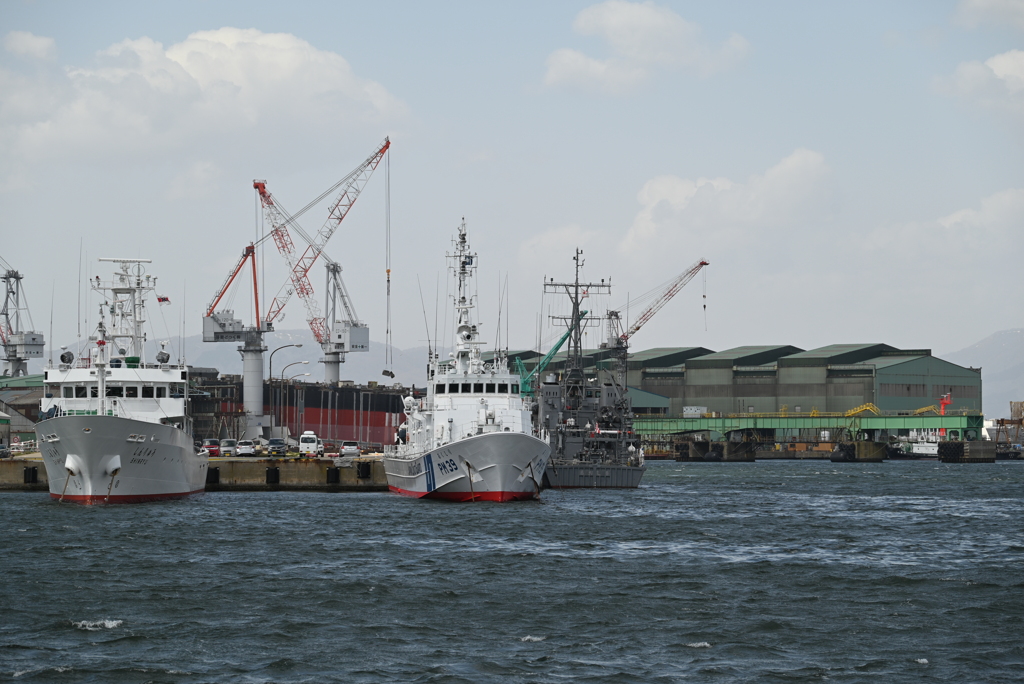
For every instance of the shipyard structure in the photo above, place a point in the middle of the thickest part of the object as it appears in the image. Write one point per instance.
(693, 399)
(676, 381)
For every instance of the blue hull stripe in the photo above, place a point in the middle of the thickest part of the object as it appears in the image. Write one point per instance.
(430, 472)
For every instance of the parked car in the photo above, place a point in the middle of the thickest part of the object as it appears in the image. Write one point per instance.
(350, 449)
(309, 445)
(245, 448)
(212, 446)
(228, 447)
(277, 447)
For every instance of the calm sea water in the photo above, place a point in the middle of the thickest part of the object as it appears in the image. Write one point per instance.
(717, 572)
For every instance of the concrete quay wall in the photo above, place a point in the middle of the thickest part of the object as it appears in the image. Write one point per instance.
(239, 475)
(299, 474)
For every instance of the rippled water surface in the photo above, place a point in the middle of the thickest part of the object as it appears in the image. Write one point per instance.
(718, 572)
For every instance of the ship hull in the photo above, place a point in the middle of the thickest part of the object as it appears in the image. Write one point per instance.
(152, 461)
(593, 476)
(497, 466)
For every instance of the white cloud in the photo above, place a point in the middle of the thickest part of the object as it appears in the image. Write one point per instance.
(238, 88)
(996, 83)
(998, 12)
(679, 212)
(25, 44)
(641, 37)
(199, 180)
(968, 240)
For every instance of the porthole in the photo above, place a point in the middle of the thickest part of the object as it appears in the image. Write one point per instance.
(86, 430)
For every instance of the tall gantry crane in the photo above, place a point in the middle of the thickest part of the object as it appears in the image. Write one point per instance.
(19, 344)
(339, 331)
(344, 335)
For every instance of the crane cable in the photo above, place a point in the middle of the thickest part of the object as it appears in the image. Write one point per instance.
(704, 275)
(388, 352)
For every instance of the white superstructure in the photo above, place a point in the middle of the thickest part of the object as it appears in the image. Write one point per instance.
(114, 428)
(471, 438)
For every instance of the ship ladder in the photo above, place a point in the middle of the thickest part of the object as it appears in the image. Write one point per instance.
(68, 479)
(536, 486)
(111, 485)
(469, 470)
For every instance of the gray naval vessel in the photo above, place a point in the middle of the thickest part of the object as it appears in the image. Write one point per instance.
(586, 414)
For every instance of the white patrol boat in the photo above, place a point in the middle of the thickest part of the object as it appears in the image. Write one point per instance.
(113, 428)
(471, 438)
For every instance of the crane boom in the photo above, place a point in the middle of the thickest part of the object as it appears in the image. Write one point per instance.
(674, 287)
(352, 185)
(527, 384)
(248, 253)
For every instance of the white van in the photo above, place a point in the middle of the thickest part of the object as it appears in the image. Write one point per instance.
(309, 445)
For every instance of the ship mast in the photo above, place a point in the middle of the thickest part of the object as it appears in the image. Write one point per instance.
(576, 291)
(467, 346)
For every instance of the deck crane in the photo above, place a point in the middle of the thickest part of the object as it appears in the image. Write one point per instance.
(339, 331)
(618, 341)
(19, 344)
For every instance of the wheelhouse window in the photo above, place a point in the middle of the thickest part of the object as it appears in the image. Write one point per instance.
(115, 391)
(439, 388)
(515, 389)
(131, 392)
(478, 387)
(453, 388)
(94, 391)
(490, 388)
(83, 392)
(177, 390)
(502, 388)
(147, 392)
(69, 392)
(161, 392)
(466, 388)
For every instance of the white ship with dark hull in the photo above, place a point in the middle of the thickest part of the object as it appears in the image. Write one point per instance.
(471, 438)
(113, 428)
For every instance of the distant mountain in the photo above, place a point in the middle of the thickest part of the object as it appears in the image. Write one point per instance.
(1001, 358)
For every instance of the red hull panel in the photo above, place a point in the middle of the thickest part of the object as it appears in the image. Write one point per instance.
(100, 499)
(467, 496)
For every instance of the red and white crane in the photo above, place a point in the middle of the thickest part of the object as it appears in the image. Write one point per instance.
(223, 326)
(621, 339)
(339, 331)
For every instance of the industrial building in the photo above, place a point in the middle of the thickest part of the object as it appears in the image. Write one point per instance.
(777, 378)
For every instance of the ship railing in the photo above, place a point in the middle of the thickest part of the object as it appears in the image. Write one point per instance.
(90, 407)
(86, 362)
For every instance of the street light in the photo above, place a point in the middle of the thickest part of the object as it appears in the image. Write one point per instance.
(298, 376)
(271, 374)
(282, 382)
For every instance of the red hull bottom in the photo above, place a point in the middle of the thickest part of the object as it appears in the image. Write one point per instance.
(101, 499)
(467, 496)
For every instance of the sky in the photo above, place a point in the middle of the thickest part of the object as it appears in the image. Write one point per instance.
(851, 171)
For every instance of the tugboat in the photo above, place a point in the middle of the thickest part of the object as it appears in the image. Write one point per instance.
(471, 438)
(113, 428)
(588, 418)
